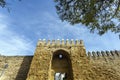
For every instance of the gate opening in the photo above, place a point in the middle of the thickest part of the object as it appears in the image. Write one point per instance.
(61, 68)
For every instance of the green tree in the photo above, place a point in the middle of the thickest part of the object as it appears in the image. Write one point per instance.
(2, 3)
(97, 15)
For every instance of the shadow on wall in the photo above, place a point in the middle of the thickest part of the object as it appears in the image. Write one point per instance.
(24, 68)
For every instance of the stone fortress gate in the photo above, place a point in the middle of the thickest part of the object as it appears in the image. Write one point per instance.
(62, 60)
(57, 60)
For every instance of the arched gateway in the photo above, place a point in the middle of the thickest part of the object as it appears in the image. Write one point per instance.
(57, 60)
(61, 67)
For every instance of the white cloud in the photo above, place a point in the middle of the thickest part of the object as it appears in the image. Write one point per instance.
(48, 26)
(52, 28)
(12, 43)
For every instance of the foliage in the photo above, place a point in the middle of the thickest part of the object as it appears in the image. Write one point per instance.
(2, 3)
(96, 15)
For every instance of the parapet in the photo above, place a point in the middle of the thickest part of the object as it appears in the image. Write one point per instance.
(104, 53)
(60, 43)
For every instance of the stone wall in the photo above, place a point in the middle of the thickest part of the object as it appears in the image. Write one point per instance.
(18, 67)
(41, 67)
(104, 65)
(94, 66)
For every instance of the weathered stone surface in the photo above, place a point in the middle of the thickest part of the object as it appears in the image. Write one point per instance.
(17, 69)
(46, 59)
(99, 65)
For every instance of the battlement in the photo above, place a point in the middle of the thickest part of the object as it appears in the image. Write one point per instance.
(94, 54)
(60, 43)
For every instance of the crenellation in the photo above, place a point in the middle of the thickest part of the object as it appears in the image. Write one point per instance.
(103, 53)
(72, 42)
(117, 53)
(60, 43)
(39, 42)
(77, 42)
(112, 53)
(69, 49)
(98, 53)
(48, 43)
(89, 54)
(53, 43)
(47, 61)
(67, 42)
(44, 42)
(107, 53)
(81, 42)
(94, 54)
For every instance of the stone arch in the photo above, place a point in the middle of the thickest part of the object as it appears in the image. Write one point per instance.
(61, 63)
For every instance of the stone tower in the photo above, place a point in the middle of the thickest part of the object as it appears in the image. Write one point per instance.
(57, 56)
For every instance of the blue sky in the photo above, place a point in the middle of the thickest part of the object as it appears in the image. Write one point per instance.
(30, 20)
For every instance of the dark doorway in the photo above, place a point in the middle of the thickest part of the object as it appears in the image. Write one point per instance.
(61, 66)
